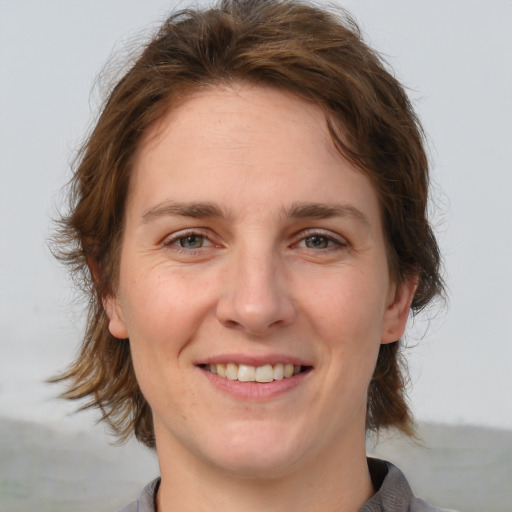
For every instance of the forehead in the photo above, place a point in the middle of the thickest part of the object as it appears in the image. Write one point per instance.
(257, 143)
(206, 117)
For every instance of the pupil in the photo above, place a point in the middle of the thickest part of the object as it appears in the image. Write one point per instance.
(191, 242)
(317, 242)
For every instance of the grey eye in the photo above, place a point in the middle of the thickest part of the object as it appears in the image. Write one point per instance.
(191, 241)
(317, 242)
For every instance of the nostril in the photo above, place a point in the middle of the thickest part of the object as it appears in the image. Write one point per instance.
(231, 324)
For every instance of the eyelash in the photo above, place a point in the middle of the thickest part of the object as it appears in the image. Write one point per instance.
(173, 242)
(333, 243)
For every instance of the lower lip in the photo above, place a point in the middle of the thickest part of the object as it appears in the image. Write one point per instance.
(256, 390)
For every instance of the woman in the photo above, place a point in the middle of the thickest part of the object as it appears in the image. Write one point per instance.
(249, 219)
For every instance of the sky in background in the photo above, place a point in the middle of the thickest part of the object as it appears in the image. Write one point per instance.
(455, 58)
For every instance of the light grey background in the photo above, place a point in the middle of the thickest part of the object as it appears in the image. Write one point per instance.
(455, 57)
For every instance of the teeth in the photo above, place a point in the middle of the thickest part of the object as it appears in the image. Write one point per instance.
(278, 371)
(232, 371)
(221, 369)
(248, 373)
(264, 373)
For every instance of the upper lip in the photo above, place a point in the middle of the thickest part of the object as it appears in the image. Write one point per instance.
(252, 360)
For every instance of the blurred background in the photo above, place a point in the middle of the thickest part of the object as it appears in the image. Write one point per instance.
(455, 59)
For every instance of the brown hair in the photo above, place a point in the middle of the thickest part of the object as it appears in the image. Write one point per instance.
(289, 45)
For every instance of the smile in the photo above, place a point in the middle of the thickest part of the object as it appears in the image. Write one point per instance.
(248, 373)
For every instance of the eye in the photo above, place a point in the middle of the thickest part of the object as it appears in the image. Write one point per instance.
(321, 241)
(318, 242)
(188, 241)
(192, 241)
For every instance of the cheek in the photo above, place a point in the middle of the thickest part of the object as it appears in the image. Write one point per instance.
(348, 318)
(163, 310)
(160, 322)
(348, 310)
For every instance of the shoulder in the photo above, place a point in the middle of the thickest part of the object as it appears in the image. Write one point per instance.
(393, 492)
(146, 500)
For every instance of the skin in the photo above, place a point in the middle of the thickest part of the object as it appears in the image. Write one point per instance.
(263, 279)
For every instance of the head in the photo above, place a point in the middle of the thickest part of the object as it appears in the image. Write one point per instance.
(286, 46)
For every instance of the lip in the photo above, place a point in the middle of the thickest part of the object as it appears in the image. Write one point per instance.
(255, 390)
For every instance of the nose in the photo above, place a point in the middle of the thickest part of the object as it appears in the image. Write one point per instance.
(256, 295)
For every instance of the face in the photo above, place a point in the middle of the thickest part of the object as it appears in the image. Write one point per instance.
(253, 285)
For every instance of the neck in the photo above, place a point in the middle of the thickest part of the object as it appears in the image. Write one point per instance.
(338, 481)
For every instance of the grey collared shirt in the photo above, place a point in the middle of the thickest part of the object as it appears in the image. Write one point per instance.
(393, 495)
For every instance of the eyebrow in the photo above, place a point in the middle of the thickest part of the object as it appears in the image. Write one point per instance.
(201, 210)
(324, 211)
(195, 210)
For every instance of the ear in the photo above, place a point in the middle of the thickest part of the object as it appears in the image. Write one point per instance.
(397, 310)
(116, 324)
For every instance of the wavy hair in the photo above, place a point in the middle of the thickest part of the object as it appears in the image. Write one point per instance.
(289, 45)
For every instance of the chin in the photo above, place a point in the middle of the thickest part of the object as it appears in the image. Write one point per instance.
(257, 454)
